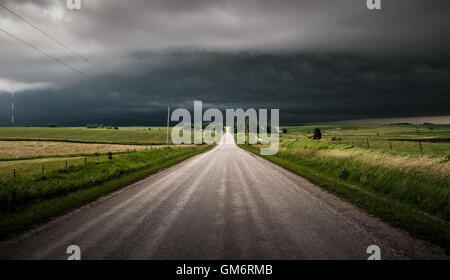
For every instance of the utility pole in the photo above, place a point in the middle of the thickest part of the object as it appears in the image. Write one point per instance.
(168, 117)
(12, 104)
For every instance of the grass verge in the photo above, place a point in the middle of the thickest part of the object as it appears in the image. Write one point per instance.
(35, 199)
(415, 202)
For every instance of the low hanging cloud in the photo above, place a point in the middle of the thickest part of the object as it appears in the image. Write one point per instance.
(7, 86)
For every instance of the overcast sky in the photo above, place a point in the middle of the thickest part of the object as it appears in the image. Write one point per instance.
(316, 60)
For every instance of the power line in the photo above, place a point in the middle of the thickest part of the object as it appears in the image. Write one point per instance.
(47, 54)
(54, 39)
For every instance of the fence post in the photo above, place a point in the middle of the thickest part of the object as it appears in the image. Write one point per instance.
(14, 174)
(390, 144)
(43, 169)
(367, 140)
(66, 164)
(85, 160)
(420, 145)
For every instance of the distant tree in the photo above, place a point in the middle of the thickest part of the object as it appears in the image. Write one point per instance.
(317, 133)
(52, 125)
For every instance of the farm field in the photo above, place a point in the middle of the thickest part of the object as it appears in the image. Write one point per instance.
(123, 135)
(404, 139)
(407, 185)
(41, 179)
(13, 150)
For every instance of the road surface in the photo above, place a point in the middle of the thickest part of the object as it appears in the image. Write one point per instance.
(223, 204)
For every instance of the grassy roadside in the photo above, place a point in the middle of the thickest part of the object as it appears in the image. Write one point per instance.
(414, 199)
(34, 199)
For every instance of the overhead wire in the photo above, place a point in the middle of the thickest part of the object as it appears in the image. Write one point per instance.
(54, 39)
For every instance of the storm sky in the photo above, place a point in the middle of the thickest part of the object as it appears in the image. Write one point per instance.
(315, 60)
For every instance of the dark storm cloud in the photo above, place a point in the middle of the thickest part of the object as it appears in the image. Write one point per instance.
(306, 88)
(315, 59)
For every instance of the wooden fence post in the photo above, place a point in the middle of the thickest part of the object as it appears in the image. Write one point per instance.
(420, 145)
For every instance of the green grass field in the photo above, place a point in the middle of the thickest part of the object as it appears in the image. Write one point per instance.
(400, 185)
(47, 173)
(123, 135)
(380, 138)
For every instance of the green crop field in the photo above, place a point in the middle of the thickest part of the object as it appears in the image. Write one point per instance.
(403, 140)
(123, 135)
(399, 173)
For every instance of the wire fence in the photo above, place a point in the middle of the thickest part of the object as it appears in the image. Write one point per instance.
(18, 169)
(394, 146)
